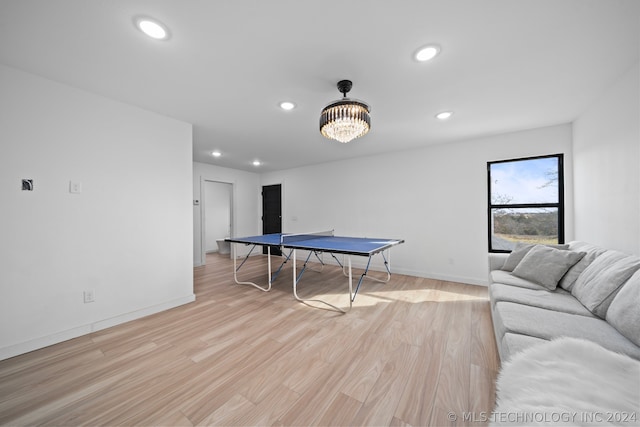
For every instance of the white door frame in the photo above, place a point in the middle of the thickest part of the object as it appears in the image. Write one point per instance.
(203, 243)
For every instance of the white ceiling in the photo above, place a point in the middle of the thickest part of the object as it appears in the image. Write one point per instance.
(505, 65)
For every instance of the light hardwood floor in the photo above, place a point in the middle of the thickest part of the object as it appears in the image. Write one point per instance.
(412, 352)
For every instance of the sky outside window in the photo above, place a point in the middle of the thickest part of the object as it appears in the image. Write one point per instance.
(525, 181)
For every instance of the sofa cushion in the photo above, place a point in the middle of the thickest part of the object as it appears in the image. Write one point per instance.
(497, 260)
(546, 266)
(548, 324)
(591, 253)
(559, 299)
(515, 343)
(500, 276)
(624, 311)
(519, 252)
(599, 283)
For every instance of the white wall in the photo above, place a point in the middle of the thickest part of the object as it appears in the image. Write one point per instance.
(127, 236)
(435, 198)
(216, 202)
(607, 168)
(246, 209)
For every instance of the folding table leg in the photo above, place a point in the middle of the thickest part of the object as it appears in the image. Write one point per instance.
(366, 270)
(296, 279)
(387, 264)
(235, 269)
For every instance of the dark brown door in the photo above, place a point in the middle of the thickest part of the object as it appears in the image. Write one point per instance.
(272, 213)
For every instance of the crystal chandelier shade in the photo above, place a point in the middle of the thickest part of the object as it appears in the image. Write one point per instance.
(345, 119)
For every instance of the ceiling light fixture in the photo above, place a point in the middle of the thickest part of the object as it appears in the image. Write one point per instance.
(152, 28)
(427, 53)
(444, 115)
(287, 105)
(216, 153)
(256, 163)
(346, 118)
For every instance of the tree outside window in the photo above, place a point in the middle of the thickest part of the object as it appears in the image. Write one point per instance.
(526, 202)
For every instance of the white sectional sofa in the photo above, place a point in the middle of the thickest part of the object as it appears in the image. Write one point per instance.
(539, 293)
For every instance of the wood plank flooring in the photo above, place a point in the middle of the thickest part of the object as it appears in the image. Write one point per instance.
(411, 352)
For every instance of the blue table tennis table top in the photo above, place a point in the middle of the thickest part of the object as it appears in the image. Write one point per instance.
(363, 246)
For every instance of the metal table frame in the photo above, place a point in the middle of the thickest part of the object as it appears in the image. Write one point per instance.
(321, 246)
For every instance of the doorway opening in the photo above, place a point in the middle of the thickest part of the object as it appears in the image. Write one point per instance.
(216, 218)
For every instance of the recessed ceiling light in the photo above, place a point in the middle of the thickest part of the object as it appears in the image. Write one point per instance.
(153, 28)
(256, 163)
(216, 153)
(287, 105)
(427, 53)
(444, 115)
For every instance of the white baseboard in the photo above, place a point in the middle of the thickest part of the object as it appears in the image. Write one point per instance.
(38, 343)
(444, 277)
(360, 263)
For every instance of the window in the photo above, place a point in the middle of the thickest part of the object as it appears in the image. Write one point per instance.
(526, 202)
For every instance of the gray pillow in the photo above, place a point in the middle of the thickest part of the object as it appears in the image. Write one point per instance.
(599, 283)
(520, 250)
(569, 279)
(546, 266)
(624, 311)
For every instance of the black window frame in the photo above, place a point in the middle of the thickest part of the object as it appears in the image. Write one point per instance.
(559, 205)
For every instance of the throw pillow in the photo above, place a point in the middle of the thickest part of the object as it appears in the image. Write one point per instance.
(624, 312)
(546, 266)
(569, 279)
(599, 283)
(519, 251)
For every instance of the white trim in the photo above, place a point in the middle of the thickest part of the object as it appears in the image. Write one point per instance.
(360, 263)
(232, 216)
(444, 277)
(38, 343)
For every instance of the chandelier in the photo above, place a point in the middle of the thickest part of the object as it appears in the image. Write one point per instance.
(346, 118)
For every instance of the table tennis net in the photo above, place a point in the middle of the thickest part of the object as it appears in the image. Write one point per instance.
(297, 237)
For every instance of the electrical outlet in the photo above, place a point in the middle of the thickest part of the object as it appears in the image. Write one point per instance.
(89, 296)
(75, 187)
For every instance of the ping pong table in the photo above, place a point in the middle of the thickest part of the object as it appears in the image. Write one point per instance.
(316, 244)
